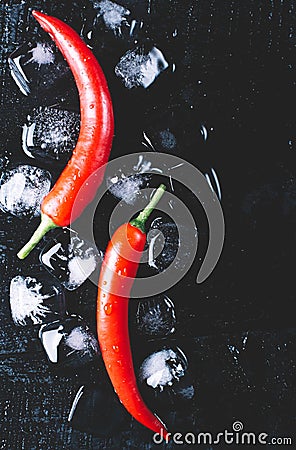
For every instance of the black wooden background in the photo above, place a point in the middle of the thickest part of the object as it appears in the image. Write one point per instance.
(235, 73)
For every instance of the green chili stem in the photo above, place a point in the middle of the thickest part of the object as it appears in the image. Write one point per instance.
(45, 225)
(139, 221)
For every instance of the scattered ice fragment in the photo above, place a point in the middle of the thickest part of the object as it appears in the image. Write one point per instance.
(147, 142)
(144, 166)
(114, 15)
(68, 342)
(126, 188)
(217, 183)
(209, 181)
(51, 340)
(156, 316)
(22, 190)
(132, 26)
(137, 68)
(204, 132)
(3, 162)
(163, 368)
(18, 75)
(214, 183)
(235, 352)
(38, 301)
(151, 240)
(70, 259)
(50, 133)
(75, 403)
(41, 54)
(245, 340)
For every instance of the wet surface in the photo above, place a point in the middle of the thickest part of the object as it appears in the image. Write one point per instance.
(221, 97)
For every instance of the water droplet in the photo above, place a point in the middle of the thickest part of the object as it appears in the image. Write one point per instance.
(91, 106)
(115, 348)
(108, 309)
(104, 283)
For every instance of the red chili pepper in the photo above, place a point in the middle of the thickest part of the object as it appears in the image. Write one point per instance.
(95, 138)
(117, 275)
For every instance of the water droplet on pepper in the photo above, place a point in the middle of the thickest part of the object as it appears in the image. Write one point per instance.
(108, 309)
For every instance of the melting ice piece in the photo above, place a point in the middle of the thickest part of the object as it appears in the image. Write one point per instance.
(163, 368)
(70, 259)
(36, 301)
(168, 140)
(36, 65)
(50, 134)
(126, 188)
(156, 316)
(22, 190)
(114, 15)
(88, 401)
(137, 68)
(164, 245)
(69, 342)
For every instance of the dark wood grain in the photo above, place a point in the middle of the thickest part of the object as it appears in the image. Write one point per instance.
(235, 72)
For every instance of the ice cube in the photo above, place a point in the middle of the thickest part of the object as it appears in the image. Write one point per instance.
(163, 368)
(50, 134)
(156, 316)
(70, 259)
(88, 415)
(35, 300)
(140, 68)
(36, 64)
(69, 343)
(22, 190)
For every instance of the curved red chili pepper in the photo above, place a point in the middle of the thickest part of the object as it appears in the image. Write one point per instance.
(95, 138)
(117, 275)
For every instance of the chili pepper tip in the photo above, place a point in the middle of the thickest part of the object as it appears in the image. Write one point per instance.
(139, 222)
(45, 225)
